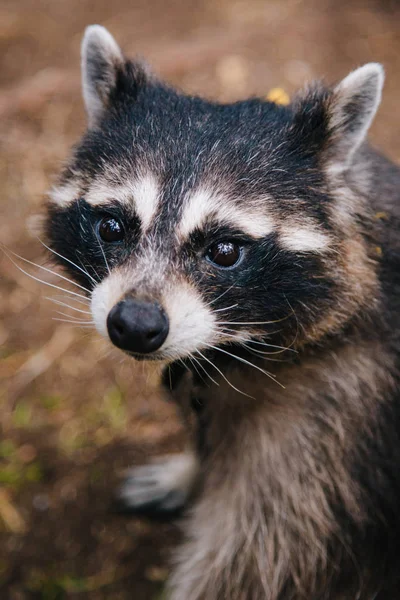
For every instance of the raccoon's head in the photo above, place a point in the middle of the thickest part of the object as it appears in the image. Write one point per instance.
(197, 225)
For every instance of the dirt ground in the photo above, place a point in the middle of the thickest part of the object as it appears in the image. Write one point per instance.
(73, 413)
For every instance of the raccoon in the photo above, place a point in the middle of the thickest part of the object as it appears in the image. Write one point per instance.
(253, 250)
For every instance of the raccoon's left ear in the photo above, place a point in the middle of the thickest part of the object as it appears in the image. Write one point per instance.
(351, 110)
(102, 60)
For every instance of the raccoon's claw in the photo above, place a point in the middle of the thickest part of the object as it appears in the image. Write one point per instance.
(159, 489)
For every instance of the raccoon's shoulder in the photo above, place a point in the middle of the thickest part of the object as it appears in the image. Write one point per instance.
(377, 179)
(385, 202)
(385, 185)
(384, 234)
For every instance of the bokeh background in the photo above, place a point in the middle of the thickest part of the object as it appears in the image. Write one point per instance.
(73, 415)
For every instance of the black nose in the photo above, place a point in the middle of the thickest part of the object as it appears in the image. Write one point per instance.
(137, 326)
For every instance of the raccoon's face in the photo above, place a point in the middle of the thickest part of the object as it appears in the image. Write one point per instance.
(196, 225)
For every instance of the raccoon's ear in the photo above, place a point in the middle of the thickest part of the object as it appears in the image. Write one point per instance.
(352, 108)
(102, 60)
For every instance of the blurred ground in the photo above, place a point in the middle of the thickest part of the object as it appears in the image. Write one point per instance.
(72, 417)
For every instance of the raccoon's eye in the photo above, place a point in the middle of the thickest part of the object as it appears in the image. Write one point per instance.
(224, 254)
(111, 230)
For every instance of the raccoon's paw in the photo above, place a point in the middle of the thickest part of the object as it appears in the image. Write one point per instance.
(159, 489)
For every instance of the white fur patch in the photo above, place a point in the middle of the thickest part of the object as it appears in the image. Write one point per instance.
(303, 239)
(166, 480)
(65, 194)
(205, 203)
(141, 194)
(108, 293)
(146, 193)
(191, 323)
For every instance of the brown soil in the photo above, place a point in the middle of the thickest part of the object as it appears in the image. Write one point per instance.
(73, 416)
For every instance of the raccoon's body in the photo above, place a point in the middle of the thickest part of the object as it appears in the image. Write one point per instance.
(255, 250)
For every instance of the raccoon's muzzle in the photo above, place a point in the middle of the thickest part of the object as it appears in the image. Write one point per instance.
(137, 326)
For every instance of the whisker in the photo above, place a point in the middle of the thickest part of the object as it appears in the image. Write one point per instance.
(85, 267)
(231, 330)
(105, 258)
(58, 312)
(87, 312)
(183, 364)
(223, 376)
(243, 360)
(93, 269)
(69, 261)
(297, 320)
(57, 287)
(227, 308)
(250, 341)
(191, 359)
(45, 269)
(252, 322)
(102, 251)
(220, 296)
(204, 369)
(85, 301)
(273, 345)
(262, 352)
(253, 352)
(86, 324)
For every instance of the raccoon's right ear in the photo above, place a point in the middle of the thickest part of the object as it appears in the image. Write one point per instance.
(102, 61)
(352, 108)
